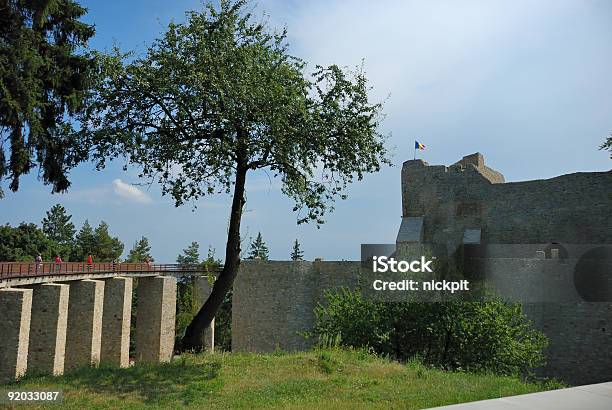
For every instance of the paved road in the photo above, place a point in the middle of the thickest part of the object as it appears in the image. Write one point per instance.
(589, 397)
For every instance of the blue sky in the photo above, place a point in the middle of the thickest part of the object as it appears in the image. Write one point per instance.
(526, 83)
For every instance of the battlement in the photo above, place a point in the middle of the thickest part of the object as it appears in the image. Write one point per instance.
(477, 160)
(474, 161)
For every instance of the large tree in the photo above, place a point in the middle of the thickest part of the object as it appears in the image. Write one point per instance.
(296, 252)
(43, 75)
(140, 252)
(220, 96)
(57, 226)
(107, 248)
(84, 243)
(190, 255)
(259, 249)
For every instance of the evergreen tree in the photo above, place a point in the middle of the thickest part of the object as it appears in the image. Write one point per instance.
(258, 249)
(140, 252)
(84, 244)
(107, 248)
(190, 256)
(57, 226)
(297, 254)
(43, 78)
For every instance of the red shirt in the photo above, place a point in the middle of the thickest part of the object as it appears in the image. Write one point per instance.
(58, 260)
(89, 260)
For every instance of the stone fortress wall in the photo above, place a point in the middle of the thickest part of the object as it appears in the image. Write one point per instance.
(546, 243)
(538, 241)
(274, 301)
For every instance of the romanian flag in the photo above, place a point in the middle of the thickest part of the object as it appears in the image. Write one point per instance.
(418, 145)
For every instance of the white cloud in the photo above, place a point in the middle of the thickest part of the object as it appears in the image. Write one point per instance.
(116, 193)
(130, 192)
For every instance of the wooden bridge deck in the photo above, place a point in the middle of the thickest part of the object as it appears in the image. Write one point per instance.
(9, 270)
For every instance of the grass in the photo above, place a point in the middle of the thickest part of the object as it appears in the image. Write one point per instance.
(331, 378)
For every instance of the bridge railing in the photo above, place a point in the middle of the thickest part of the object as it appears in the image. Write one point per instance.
(31, 269)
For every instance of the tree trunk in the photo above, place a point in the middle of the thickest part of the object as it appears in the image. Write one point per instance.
(193, 339)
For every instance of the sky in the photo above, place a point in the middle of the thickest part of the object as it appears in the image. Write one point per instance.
(525, 83)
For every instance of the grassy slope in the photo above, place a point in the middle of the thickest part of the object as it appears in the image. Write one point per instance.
(319, 379)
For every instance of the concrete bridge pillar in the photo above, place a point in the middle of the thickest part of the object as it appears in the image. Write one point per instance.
(116, 320)
(15, 310)
(201, 291)
(84, 335)
(48, 329)
(155, 315)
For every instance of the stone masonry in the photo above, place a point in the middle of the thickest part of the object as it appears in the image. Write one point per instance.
(15, 308)
(539, 242)
(273, 303)
(115, 349)
(572, 209)
(48, 329)
(84, 335)
(545, 243)
(155, 317)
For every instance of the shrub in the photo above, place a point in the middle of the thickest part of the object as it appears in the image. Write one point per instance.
(490, 336)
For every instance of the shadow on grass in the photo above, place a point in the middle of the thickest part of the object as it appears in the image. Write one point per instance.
(178, 380)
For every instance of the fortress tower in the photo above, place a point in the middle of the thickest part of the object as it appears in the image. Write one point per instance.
(545, 243)
(444, 207)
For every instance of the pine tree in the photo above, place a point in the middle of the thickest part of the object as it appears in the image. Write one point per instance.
(107, 248)
(57, 226)
(84, 243)
(140, 252)
(190, 256)
(297, 254)
(44, 75)
(258, 249)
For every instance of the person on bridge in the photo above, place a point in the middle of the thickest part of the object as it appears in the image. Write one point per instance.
(38, 261)
(89, 262)
(58, 263)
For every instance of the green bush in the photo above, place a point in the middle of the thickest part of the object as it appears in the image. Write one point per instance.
(490, 336)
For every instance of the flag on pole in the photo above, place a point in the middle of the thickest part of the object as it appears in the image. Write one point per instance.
(419, 146)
